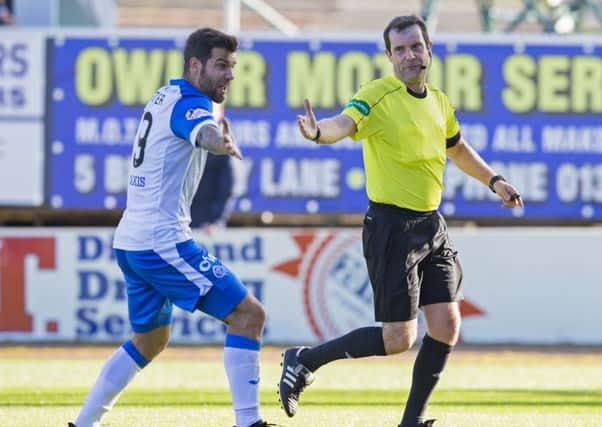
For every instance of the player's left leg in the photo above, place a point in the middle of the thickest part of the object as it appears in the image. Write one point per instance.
(241, 359)
(228, 300)
(193, 280)
(243, 341)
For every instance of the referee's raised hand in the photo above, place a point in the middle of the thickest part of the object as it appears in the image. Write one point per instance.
(308, 126)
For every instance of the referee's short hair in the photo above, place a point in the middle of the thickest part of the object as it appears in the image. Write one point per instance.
(201, 42)
(400, 23)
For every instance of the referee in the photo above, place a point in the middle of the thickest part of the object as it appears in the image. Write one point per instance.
(409, 129)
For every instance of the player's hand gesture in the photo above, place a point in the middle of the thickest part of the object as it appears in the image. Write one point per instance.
(229, 143)
(509, 194)
(308, 126)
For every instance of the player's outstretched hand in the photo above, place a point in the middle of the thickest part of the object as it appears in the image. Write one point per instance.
(229, 143)
(509, 194)
(308, 126)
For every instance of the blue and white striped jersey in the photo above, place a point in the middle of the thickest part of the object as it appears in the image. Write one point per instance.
(166, 169)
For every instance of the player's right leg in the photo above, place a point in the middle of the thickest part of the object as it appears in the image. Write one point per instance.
(150, 316)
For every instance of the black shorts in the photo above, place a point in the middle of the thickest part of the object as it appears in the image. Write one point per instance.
(411, 261)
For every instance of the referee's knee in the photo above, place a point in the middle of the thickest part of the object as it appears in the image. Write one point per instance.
(448, 333)
(398, 338)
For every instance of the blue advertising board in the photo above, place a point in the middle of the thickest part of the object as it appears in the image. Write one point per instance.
(530, 107)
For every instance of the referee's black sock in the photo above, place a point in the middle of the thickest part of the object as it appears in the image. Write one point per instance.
(429, 364)
(362, 342)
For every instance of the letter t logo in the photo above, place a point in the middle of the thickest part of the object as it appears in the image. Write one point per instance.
(13, 317)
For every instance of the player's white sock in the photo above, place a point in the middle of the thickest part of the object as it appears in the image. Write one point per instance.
(241, 360)
(116, 374)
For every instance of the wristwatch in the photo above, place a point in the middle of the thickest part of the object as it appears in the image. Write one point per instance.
(495, 179)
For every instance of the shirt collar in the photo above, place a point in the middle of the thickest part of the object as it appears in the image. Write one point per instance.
(186, 88)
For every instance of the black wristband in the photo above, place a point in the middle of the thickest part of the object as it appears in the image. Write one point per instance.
(318, 134)
(495, 179)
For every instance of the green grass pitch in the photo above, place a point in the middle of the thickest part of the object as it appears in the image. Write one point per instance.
(188, 387)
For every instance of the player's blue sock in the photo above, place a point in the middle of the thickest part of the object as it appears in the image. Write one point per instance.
(116, 374)
(241, 360)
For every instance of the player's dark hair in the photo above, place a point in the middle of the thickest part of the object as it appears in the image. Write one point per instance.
(400, 23)
(201, 42)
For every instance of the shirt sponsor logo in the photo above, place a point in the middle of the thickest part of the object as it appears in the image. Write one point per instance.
(195, 113)
(137, 181)
(359, 105)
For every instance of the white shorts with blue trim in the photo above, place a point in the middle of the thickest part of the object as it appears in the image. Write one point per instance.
(185, 275)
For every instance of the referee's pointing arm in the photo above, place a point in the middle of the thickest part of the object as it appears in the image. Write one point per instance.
(326, 131)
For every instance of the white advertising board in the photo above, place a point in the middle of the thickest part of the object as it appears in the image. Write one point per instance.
(22, 163)
(22, 101)
(23, 71)
(521, 285)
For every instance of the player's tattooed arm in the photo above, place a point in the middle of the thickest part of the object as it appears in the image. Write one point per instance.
(211, 138)
(218, 141)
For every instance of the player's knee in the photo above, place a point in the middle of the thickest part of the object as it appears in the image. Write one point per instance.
(256, 318)
(454, 330)
(248, 318)
(151, 344)
(150, 349)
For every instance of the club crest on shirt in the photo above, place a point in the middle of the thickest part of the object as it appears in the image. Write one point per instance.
(219, 271)
(195, 113)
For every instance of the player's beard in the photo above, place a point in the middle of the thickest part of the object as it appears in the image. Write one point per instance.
(210, 87)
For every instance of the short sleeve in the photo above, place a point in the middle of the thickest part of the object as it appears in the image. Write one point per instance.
(451, 122)
(189, 115)
(359, 109)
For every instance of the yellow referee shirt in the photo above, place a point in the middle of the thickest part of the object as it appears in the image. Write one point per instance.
(405, 137)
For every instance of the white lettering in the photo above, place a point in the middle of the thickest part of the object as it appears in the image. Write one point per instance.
(301, 178)
(108, 131)
(529, 178)
(111, 131)
(514, 139)
(241, 170)
(84, 173)
(86, 130)
(582, 183)
(571, 139)
(476, 135)
(288, 135)
(250, 133)
(116, 173)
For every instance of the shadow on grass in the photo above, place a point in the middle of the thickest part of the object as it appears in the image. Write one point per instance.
(591, 399)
